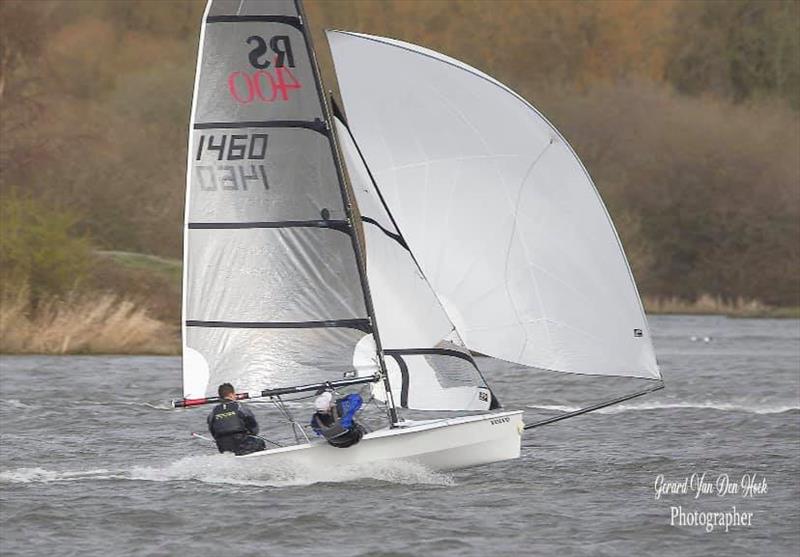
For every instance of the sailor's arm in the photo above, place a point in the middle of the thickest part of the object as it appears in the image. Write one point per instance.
(249, 419)
(315, 425)
(352, 404)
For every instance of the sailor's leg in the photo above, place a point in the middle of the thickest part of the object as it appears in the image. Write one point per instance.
(251, 444)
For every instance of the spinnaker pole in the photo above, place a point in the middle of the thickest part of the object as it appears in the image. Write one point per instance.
(346, 199)
(269, 393)
(598, 406)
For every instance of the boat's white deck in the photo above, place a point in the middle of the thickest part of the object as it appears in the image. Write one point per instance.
(421, 425)
(406, 426)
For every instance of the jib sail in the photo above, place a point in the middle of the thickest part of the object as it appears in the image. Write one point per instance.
(428, 364)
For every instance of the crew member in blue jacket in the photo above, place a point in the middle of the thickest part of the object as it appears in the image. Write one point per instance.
(233, 425)
(335, 421)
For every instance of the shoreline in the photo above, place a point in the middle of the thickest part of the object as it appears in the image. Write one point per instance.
(771, 313)
(171, 347)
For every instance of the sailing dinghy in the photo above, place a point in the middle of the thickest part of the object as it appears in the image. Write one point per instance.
(442, 216)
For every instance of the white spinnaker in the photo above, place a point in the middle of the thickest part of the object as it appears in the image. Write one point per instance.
(501, 215)
(429, 367)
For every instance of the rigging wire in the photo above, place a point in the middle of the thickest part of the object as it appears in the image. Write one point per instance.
(284, 410)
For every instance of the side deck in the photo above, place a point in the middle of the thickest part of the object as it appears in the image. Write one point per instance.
(444, 444)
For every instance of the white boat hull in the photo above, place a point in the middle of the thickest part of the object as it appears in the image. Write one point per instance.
(446, 444)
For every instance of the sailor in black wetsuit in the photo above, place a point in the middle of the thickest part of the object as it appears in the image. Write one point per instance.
(234, 426)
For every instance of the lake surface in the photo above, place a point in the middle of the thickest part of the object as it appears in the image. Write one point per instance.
(90, 465)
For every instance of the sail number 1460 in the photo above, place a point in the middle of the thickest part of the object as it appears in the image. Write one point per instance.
(243, 153)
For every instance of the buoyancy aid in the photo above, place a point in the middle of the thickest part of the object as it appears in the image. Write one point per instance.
(330, 425)
(226, 420)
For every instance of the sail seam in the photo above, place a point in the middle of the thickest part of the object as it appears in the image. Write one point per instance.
(514, 233)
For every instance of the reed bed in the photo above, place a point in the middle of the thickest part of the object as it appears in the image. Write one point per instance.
(85, 324)
(109, 324)
(707, 304)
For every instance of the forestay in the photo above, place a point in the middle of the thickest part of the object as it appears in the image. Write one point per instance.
(501, 215)
(429, 366)
(272, 294)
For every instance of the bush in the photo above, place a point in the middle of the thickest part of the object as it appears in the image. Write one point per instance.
(83, 324)
(712, 187)
(39, 250)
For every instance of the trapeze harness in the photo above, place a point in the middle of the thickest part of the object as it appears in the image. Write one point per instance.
(330, 426)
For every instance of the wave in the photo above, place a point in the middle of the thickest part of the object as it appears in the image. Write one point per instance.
(722, 406)
(229, 470)
(40, 475)
(18, 404)
(155, 405)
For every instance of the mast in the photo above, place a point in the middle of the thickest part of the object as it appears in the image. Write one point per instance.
(346, 199)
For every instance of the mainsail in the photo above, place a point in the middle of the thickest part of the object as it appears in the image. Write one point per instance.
(526, 261)
(428, 364)
(273, 292)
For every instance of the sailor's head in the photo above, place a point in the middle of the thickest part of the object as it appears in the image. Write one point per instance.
(323, 402)
(227, 391)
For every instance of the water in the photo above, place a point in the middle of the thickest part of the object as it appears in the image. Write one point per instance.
(91, 466)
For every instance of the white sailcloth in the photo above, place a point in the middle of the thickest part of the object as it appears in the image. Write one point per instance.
(499, 212)
(428, 364)
(272, 294)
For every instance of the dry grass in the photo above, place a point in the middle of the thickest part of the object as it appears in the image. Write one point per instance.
(86, 324)
(716, 305)
(108, 324)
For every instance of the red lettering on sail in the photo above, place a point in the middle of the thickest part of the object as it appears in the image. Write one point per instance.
(283, 85)
(234, 90)
(264, 77)
(263, 86)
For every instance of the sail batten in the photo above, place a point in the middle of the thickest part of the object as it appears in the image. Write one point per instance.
(359, 324)
(315, 125)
